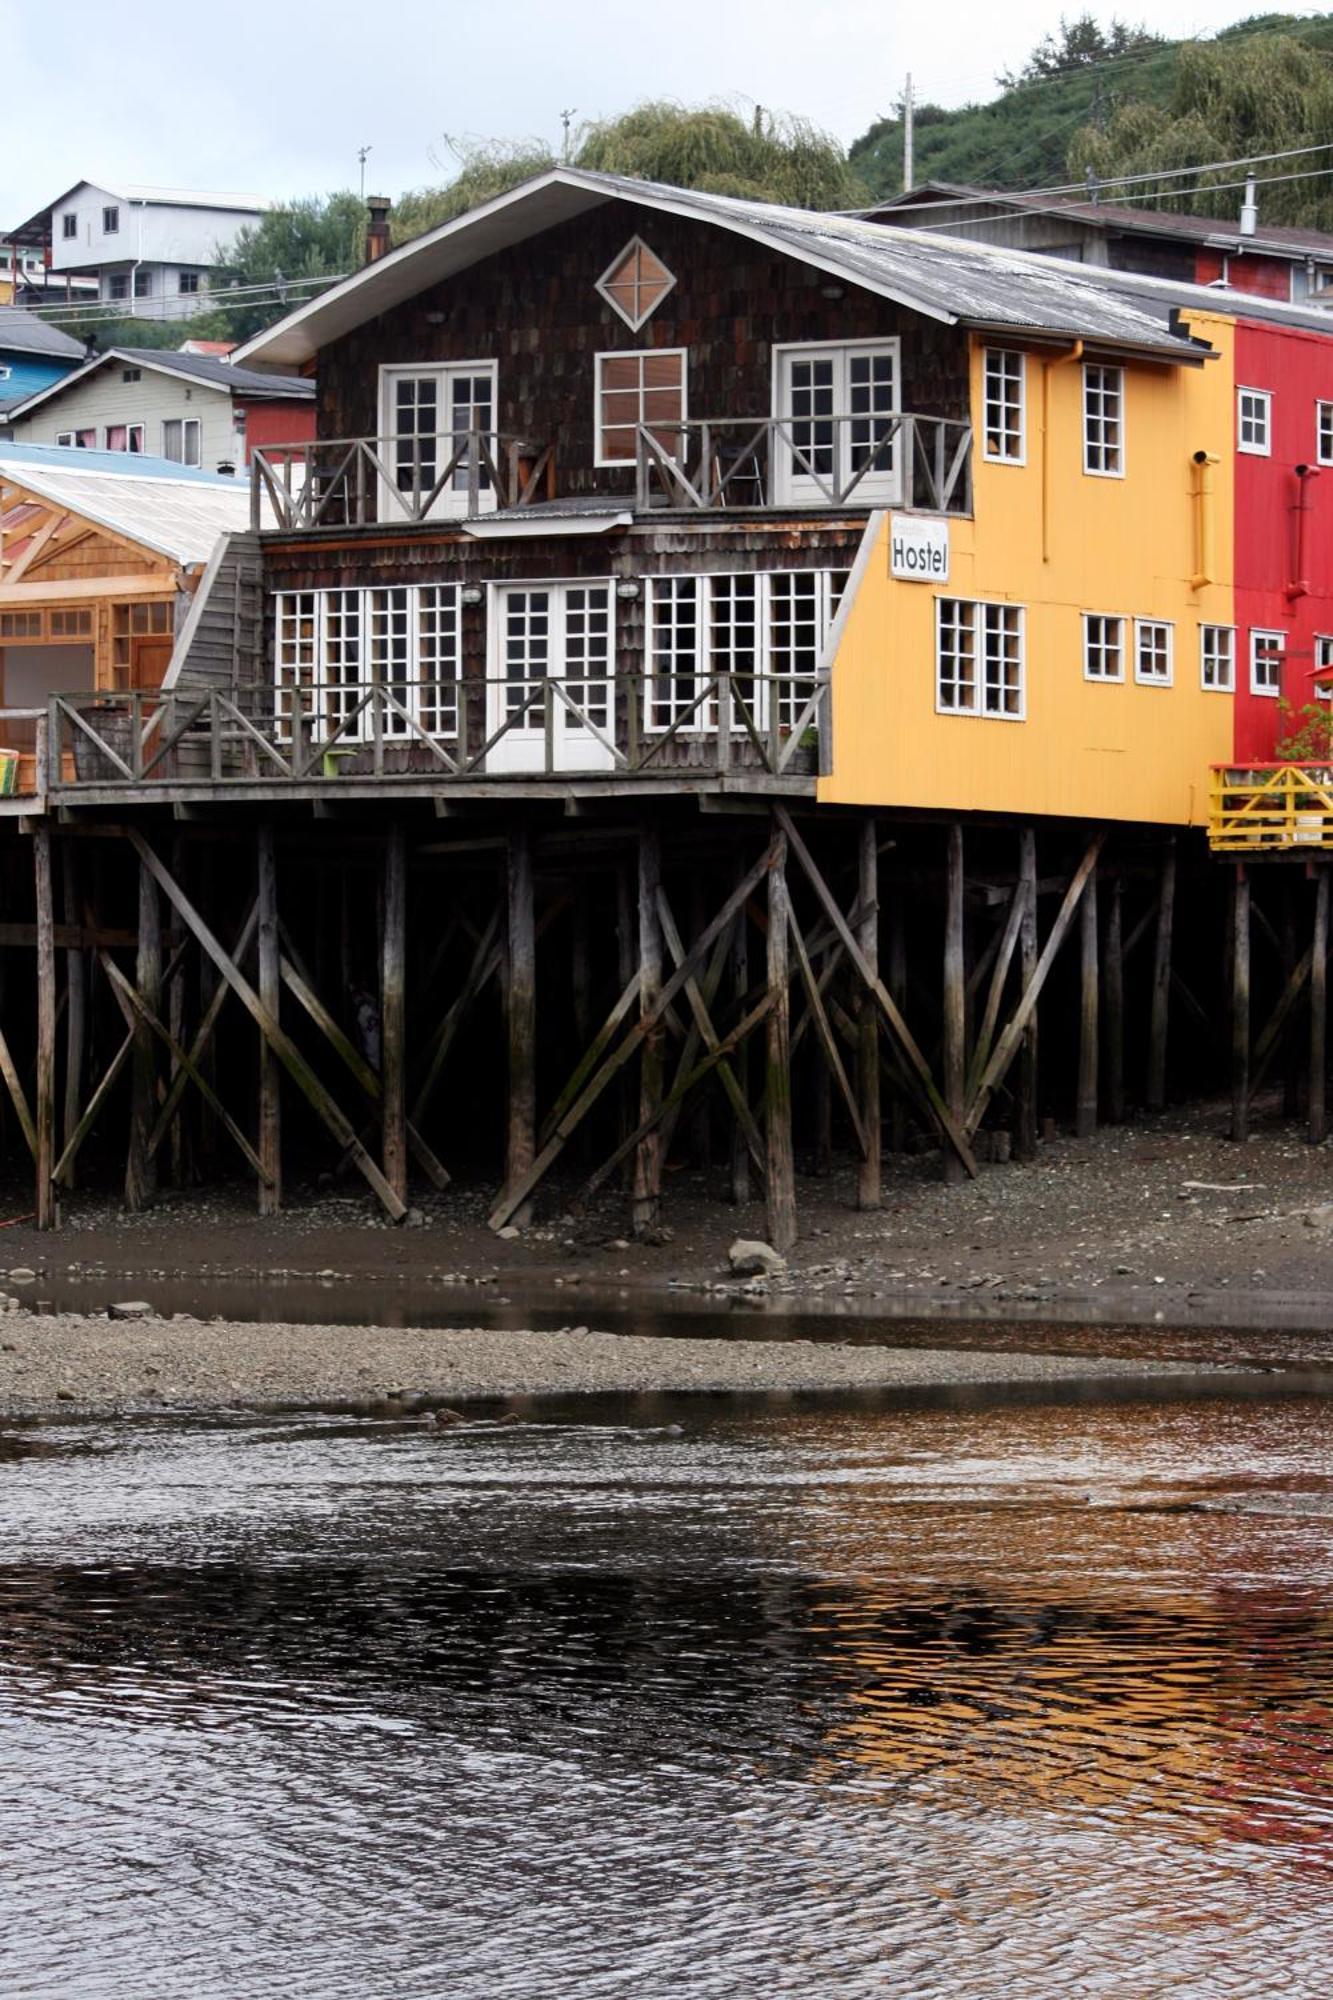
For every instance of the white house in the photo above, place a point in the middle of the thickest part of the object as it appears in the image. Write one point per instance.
(153, 248)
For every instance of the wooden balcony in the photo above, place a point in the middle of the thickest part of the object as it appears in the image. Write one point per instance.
(695, 732)
(1269, 808)
(717, 465)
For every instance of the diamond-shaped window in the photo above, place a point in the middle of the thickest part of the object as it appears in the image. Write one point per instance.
(636, 283)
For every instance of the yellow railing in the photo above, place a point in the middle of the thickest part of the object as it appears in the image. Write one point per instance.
(1253, 808)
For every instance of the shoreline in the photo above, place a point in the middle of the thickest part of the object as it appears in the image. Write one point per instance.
(69, 1365)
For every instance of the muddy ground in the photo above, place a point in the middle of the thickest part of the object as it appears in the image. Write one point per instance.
(1162, 1220)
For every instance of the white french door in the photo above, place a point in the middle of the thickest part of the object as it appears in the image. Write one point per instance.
(426, 415)
(561, 633)
(836, 404)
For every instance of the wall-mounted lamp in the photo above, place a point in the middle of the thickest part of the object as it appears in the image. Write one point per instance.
(472, 593)
(627, 588)
(434, 318)
(831, 292)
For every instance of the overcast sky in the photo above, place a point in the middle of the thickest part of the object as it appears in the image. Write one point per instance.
(276, 98)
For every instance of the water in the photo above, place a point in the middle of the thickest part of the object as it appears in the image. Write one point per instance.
(701, 1698)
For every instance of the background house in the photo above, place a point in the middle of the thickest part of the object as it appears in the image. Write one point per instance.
(33, 355)
(150, 248)
(192, 409)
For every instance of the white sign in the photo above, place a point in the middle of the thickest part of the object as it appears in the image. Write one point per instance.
(918, 549)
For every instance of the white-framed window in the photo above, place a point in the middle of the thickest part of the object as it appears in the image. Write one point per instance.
(1323, 433)
(188, 281)
(110, 222)
(1268, 650)
(332, 646)
(766, 630)
(430, 417)
(980, 659)
(143, 283)
(1103, 647)
(182, 440)
(635, 283)
(1153, 645)
(1323, 666)
(838, 408)
(563, 635)
(647, 388)
(1103, 420)
(1217, 658)
(1004, 406)
(124, 437)
(69, 225)
(5, 371)
(118, 285)
(1254, 411)
(130, 374)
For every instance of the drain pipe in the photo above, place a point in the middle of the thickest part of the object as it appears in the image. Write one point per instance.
(1058, 361)
(1203, 518)
(1301, 586)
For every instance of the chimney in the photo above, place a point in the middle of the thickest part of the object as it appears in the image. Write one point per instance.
(1249, 209)
(377, 228)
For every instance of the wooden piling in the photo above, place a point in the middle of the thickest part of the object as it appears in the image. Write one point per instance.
(868, 1183)
(1318, 1110)
(1161, 982)
(176, 1018)
(1240, 1005)
(1113, 1016)
(141, 1163)
(1290, 1041)
(739, 967)
(777, 1075)
(1025, 1124)
(45, 1082)
(955, 993)
(647, 1184)
(521, 1009)
(897, 983)
(76, 999)
(393, 1015)
(270, 990)
(1085, 1114)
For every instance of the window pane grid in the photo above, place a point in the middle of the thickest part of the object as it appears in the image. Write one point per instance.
(1252, 420)
(1103, 419)
(1267, 653)
(1324, 433)
(767, 631)
(332, 646)
(1217, 657)
(979, 664)
(1152, 652)
(1004, 413)
(1103, 648)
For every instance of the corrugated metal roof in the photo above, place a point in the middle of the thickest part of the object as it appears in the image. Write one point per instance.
(957, 281)
(1219, 231)
(173, 509)
(22, 332)
(206, 368)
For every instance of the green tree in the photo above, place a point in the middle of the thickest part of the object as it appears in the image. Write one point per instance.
(1080, 44)
(321, 236)
(487, 169)
(764, 158)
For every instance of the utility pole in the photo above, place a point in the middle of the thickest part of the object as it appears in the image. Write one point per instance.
(909, 138)
(361, 153)
(567, 119)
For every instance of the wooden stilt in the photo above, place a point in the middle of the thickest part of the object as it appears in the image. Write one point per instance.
(176, 1015)
(898, 994)
(868, 1179)
(647, 1185)
(270, 991)
(1240, 1005)
(701, 1113)
(141, 1165)
(521, 1008)
(209, 993)
(955, 996)
(393, 1014)
(627, 969)
(739, 963)
(781, 1179)
(1085, 1116)
(1291, 1050)
(1161, 982)
(1113, 1019)
(1318, 1108)
(45, 1119)
(1025, 1124)
(76, 990)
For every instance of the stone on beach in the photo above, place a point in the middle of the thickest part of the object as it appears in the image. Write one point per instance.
(750, 1258)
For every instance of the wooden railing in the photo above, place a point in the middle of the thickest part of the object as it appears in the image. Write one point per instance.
(351, 482)
(626, 726)
(1255, 808)
(23, 758)
(838, 461)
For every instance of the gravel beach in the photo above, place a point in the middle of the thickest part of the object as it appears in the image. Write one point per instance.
(92, 1363)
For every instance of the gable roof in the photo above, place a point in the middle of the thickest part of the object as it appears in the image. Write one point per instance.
(21, 332)
(203, 368)
(1210, 230)
(173, 510)
(957, 281)
(37, 226)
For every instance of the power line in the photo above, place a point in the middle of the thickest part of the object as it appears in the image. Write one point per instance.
(1103, 182)
(235, 299)
(1152, 194)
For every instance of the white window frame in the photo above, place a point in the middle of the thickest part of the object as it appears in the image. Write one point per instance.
(142, 287)
(131, 431)
(793, 486)
(1323, 432)
(354, 619)
(980, 707)
(574, 746)
(1004, 356)
(452, 502)
(793, 691)
(635, 243)
(1094, 442)
(1222, 660)
(111, 220)
(633, 354)
(187, 284)
(116, 279)
(65, 437)
(186, 424)
(1104, 618)
(69, 226)
(1323, 660)
(1263, 401)
(1257, 634)
(1142, 628)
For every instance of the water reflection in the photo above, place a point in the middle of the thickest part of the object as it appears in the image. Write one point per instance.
(856, 1701)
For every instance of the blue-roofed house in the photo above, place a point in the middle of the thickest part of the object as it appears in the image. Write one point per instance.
(33, 355)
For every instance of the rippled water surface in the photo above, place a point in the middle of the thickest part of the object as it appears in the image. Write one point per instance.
(698, 1698)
